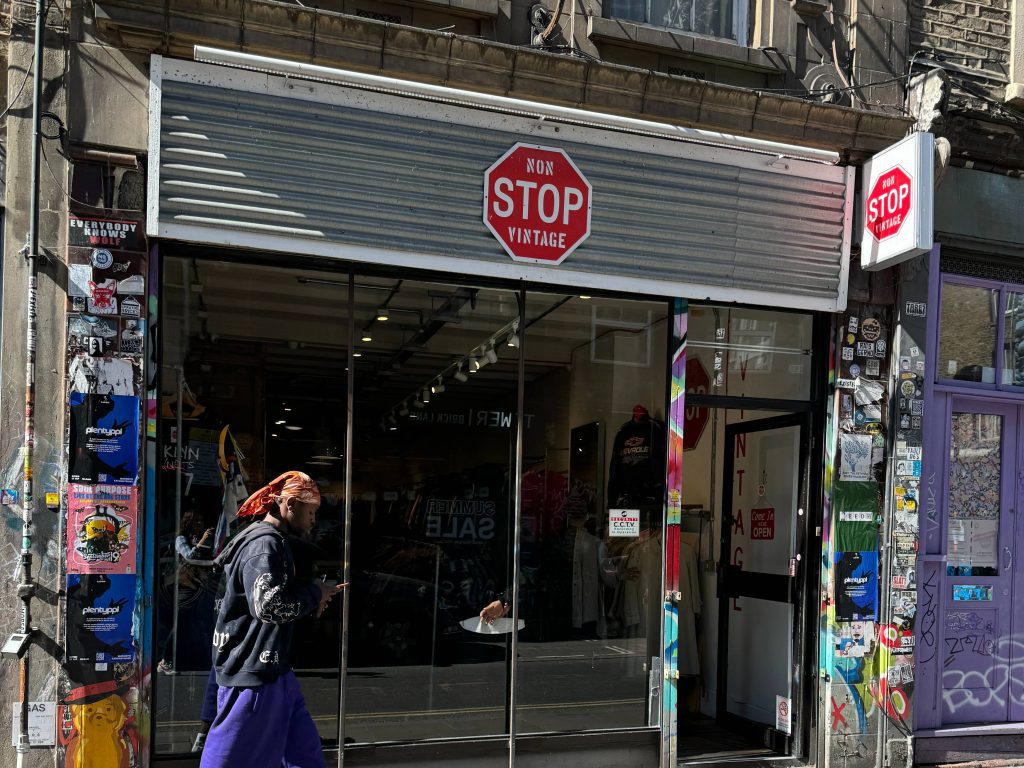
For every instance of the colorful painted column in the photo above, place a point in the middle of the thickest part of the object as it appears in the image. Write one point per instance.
(670, 623)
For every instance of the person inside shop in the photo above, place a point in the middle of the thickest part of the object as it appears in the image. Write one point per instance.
(262, 718)
(193, 549)
(576, 569)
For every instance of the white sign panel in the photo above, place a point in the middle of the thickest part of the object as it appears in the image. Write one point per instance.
(42, 723)
(898, 200)
(783, 716)
(624, 523)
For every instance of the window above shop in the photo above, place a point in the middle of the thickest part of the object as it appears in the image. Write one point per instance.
(981, 334)
(722, 19)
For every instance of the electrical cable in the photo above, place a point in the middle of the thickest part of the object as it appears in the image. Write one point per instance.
(46, 162)
(10, 105)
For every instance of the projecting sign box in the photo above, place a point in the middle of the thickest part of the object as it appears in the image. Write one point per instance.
(898, 201)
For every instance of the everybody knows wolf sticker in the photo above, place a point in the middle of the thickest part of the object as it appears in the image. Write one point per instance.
(101, 528)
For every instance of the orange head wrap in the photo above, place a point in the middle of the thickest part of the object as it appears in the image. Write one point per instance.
(291, 484)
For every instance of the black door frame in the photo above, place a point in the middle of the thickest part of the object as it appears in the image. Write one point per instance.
(733, 582)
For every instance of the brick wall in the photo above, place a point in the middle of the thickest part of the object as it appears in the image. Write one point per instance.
(972, 36)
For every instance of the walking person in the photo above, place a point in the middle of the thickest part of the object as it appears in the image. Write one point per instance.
(262, 720)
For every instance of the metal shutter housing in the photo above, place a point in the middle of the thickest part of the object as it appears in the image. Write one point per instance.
(263, 161)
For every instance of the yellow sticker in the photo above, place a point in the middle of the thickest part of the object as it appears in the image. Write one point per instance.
(52, 499)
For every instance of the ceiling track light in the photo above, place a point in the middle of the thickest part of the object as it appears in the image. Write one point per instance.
(460, 375)
(382, 315)
(438, 386)
(418, 402)
(404, 409)
(425, 396)
(474, 364)
(513, 340)
(491, 355)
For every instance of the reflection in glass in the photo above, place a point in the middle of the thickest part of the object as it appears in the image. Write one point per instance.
(705, 17)
(744, 352)
(975, 477)
(256, 358)
(1013, 340)
(435, 416)
(592, 500)
(967, 333)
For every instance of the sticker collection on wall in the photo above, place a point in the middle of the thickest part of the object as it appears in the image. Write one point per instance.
(853, 610)
(98, 696)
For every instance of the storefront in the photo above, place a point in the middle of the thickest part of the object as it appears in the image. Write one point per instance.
(493, 407)
(967, 702)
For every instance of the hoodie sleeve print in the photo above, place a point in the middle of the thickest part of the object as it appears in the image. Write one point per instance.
(273, 595)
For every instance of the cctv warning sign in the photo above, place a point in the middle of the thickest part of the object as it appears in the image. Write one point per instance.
(624, 523)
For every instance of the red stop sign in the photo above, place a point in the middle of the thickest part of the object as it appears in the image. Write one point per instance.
(537, 203)
(889, 203)
(699, 383)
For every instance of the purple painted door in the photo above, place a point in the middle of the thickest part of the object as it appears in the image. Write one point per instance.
(977, 645)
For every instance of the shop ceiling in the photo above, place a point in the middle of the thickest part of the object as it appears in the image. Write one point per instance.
(297, 320)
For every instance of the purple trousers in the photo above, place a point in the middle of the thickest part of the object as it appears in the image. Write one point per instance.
(264, 727)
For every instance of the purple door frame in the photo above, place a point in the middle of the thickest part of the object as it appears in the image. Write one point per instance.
(933, 584)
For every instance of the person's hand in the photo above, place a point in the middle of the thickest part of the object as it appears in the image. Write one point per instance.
(207, 534)
(328, 591)
(493, 611)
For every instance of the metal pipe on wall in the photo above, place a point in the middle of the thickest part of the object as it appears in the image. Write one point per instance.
(27, 587)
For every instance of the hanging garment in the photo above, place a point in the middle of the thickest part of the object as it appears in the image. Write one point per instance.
(591, 571)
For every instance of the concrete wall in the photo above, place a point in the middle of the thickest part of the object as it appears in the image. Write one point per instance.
(49, 408)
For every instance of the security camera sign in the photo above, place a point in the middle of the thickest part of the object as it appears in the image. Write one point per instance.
(624, 523)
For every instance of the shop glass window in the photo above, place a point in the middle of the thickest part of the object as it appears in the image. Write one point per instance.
(593, 456)
(252, 384)
(743, 352)
(1013, 340)
(967, 333)
(975, 479)
(714, 18)
(435, 412)
(255, 381)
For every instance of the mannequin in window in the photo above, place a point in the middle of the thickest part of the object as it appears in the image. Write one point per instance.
(636, 475)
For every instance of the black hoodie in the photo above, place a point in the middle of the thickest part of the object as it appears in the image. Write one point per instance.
(262, 601)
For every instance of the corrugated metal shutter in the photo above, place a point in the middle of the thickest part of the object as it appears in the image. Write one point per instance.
(243, 168)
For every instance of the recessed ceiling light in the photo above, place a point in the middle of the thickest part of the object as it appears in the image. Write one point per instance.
(273, 434)
(585, 298)
(357, 354)
(288, 410)
(279, 422)
(367, 337)
(382, 315)
(293, 428)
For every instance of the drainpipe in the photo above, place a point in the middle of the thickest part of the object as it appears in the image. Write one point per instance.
(26, 588)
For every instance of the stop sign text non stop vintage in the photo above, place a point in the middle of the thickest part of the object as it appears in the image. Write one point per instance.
(537, 203)
(889, 203)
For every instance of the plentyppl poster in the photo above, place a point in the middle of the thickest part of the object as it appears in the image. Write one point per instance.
(100, 608)
(101, 528)
(104, 442)
(856, 586)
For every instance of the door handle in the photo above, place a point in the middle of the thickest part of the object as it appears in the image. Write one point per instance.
(1009, 562)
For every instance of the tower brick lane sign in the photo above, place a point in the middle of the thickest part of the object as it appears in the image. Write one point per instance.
(537, 203)
(898, 194)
